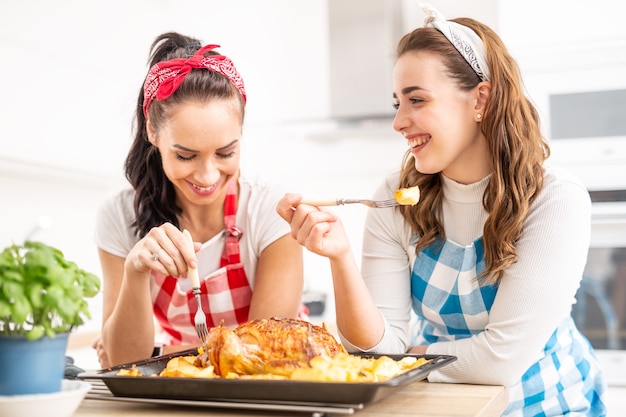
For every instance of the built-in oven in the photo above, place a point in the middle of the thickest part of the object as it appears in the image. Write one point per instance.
(600, 309)
(588, 136)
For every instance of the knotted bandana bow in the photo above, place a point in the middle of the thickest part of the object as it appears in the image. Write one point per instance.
(464, 39)
(165, 77)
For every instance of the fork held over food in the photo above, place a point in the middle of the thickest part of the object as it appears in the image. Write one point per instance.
(403, 197)
(200, 318)
(343, 201)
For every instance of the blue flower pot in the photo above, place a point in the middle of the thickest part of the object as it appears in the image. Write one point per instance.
(32, 367)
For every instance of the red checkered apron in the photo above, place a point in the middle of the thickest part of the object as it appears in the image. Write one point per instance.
(225, 293)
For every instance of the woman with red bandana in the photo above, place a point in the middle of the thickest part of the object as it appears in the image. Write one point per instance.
(184, 169)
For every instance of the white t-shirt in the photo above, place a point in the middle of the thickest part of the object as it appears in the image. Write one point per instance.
(256, 218)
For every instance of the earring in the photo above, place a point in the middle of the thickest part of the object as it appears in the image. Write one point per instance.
(478, 116)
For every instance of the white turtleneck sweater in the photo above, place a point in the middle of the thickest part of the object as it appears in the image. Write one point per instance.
(535, 294)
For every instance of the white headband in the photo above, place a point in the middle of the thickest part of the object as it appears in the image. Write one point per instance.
(464, 39)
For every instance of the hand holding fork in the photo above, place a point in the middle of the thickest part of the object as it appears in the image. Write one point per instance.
(200, 317)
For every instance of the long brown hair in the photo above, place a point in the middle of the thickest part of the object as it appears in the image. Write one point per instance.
(155, 198)
(517, 148)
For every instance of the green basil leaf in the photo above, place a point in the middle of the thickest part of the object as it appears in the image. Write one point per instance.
(35, 333)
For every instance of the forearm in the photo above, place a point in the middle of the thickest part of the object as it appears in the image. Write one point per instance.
(387, 277)
(358, 319)
(128, 333)
(279, 275)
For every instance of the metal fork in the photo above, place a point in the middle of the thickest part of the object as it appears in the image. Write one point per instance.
(343, 201)
(200, 318)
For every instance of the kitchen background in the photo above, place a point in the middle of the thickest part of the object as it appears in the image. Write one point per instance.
(318, 75)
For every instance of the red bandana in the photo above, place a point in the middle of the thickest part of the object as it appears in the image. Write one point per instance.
(165, 77)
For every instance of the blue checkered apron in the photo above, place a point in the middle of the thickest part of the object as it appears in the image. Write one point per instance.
(451, 305)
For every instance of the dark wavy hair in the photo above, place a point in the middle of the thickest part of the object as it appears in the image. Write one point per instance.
(517, 148)
(155, 197)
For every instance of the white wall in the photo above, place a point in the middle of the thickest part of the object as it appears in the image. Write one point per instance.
(570, 46)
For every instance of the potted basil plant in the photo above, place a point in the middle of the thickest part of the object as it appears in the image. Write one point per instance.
(43, 297)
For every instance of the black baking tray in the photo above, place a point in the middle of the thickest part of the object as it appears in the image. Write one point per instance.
(253, 390)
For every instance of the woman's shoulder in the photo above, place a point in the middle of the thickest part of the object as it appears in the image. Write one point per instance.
(558, 179)
(257, 213)
(387, 187)
(258, 197)
(120, 202)
(117, 210)
(114, 232)
(255, 184)
(259, 190)
(562, 191)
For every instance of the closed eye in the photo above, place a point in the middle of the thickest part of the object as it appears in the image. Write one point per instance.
(185, 158)
(226, 155)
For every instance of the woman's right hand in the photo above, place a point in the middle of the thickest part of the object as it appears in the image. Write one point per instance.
(318, 230)
(164, 249)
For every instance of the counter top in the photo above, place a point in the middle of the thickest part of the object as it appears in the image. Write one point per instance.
(418, 399)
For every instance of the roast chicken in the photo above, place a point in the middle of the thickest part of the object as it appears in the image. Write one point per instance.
(266, 346)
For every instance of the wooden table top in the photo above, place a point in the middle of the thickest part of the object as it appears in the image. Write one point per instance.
(418, 399)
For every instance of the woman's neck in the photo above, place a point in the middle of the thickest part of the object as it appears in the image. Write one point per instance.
(203, 221)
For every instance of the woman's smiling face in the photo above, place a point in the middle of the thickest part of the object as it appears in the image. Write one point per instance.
(200, 149)
(437, 119)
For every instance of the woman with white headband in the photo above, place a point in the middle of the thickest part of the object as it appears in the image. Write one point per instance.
(184, 169)
(491, 257)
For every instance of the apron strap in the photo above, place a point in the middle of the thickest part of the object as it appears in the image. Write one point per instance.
(232, 234)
